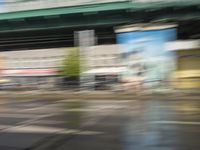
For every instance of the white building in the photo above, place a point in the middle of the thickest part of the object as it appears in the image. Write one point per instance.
(36, 67)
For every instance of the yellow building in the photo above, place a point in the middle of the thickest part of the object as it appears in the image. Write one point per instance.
(187, 73)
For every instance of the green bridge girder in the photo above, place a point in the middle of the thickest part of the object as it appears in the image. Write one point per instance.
(28, 19)
(37, 27)
(127, 5)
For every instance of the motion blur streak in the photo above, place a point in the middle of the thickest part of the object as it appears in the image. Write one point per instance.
(99, 74)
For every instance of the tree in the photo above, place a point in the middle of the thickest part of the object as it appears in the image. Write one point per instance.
(71, 68)
(71, 64)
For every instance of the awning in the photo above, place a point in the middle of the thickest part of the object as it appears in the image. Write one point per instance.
(106, 70)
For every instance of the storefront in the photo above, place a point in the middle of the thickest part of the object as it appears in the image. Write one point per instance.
(31, 78)
(187, 73)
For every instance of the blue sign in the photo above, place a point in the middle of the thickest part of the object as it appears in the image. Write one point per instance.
(145, 55)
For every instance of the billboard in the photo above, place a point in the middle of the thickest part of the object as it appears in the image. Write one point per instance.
(144, 53)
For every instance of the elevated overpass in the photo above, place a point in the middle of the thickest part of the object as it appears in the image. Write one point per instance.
(39, 24)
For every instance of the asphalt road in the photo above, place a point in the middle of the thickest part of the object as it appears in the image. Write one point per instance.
(59, 124)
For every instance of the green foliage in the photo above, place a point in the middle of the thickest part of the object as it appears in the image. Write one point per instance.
(71, 64)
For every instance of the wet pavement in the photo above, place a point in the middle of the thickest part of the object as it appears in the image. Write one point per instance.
(75, 124)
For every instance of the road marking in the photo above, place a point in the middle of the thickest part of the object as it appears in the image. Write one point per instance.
(33, 120)
(39, 107)
(49, 122)
(18, 115)
(37, 129)
(176, 122)
(48, 130)
(3, 127)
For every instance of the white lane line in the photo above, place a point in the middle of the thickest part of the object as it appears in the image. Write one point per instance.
(49, 122)
(49, 130)
(105, 101)
(33, 120)
(36, 129)
(3, 127)
(18, 115)
(176, 122)
(39, 107)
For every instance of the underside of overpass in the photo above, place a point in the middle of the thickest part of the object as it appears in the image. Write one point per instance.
(47, 28)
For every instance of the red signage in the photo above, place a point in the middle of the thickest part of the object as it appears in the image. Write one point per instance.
(30, 72)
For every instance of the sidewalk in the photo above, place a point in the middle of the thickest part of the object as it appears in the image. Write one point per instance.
(67, 94)
(97, 94)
